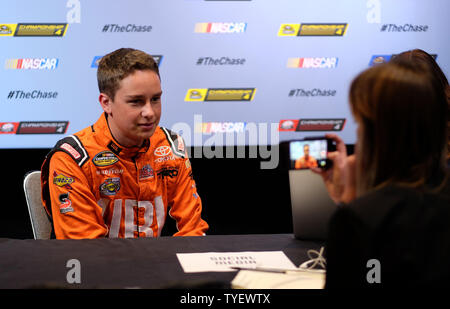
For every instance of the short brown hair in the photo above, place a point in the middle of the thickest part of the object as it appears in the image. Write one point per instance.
(402, 110)
(120, 63)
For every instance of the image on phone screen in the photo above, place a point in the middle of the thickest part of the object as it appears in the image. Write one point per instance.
(306, 154)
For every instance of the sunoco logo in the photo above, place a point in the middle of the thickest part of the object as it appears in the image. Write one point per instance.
(7, 29)
(110, 186)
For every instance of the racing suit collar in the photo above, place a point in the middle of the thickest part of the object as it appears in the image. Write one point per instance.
(105, 138)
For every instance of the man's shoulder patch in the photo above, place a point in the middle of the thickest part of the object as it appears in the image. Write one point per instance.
(176, 142)
(74, 148)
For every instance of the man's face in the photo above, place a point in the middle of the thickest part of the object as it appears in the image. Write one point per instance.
(136, 109)
(306, 150)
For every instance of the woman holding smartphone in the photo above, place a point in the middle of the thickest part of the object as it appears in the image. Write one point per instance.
(393, 225)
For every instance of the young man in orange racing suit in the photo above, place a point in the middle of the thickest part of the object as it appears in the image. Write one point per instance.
(122, 175)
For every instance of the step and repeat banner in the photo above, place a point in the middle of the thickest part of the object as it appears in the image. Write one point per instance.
(250, 72)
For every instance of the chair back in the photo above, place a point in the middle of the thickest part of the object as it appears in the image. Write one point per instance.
(40, 223)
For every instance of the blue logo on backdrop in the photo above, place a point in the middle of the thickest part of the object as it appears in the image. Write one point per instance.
(378, 59)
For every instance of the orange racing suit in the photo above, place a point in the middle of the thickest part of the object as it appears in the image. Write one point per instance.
(92, 187)
(304, 163)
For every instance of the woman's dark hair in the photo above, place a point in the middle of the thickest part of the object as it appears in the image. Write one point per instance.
(421, 57)
(401, 109)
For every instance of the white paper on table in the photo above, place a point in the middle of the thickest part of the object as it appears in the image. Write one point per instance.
(223, 261)
(248, 279)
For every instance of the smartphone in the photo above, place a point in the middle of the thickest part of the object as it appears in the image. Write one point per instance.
(310, 152)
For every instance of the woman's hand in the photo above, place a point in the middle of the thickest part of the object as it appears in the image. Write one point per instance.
(340, 179)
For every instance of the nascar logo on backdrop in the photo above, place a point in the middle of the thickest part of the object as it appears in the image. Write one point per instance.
(220, 94)
(32, 64)
(220, 127)
(313, 63)
(220, 27)
(312, 29)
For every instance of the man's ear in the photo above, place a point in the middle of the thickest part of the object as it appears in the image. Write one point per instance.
(105, 102)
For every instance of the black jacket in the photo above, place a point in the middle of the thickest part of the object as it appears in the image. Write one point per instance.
(407, 231)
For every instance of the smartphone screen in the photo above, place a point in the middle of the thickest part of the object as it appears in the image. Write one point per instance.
(306, 154)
